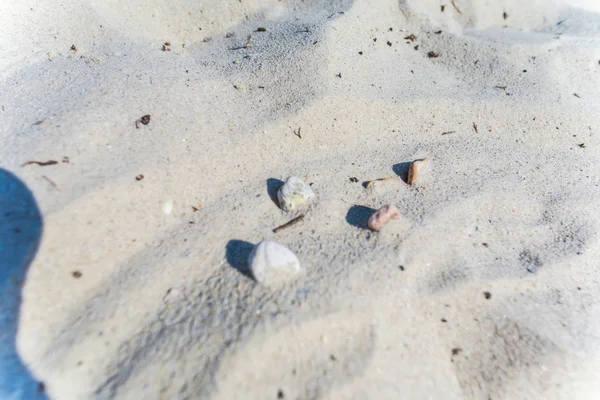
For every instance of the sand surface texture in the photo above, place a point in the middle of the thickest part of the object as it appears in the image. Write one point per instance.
(486, 287)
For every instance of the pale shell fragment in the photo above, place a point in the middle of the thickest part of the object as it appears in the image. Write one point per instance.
(167, 207)
(271, 262)
(414, 170)
(294, 194)
(383, 216)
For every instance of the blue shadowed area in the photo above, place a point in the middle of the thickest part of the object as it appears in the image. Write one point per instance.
(20, 234)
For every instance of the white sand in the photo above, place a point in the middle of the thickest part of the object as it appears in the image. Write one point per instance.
(163, 308)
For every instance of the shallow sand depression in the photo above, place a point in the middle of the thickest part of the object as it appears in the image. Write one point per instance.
(125, 239)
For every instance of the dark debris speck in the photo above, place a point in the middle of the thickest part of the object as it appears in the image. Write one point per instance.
(145, 120)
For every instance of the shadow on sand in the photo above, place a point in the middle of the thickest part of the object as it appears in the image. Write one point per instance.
(20, 234)
(359, 216)
(237, 252)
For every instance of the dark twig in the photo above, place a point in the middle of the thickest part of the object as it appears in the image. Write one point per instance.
(456, 7)
(247, 45)
(50, 180)
(289, 223)
(40, 163)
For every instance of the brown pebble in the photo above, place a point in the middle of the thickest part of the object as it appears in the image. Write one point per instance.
(76, 274)
(139, 177)
(415, 169)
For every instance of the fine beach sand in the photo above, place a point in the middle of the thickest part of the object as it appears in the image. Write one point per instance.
(485, 288)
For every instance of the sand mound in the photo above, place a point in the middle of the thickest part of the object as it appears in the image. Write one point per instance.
(485, 288)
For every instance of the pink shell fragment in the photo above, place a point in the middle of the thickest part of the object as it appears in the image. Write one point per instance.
(383, 216)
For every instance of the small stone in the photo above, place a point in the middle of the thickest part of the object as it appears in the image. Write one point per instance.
(271, 262)
(294, 194)
(383, 216)
(415, 168)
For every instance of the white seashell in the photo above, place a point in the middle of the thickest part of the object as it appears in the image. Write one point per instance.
(168, 207)
(294, 194)
(415, 168)
(383, 216)
(271, 262)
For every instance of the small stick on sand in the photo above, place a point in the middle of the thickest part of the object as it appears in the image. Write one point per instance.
(246, 46)
(289, 223)
(371, 183)
(50, 181)
(456, 7)
(40, 163)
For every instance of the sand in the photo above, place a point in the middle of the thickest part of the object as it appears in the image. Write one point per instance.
(125, 271)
